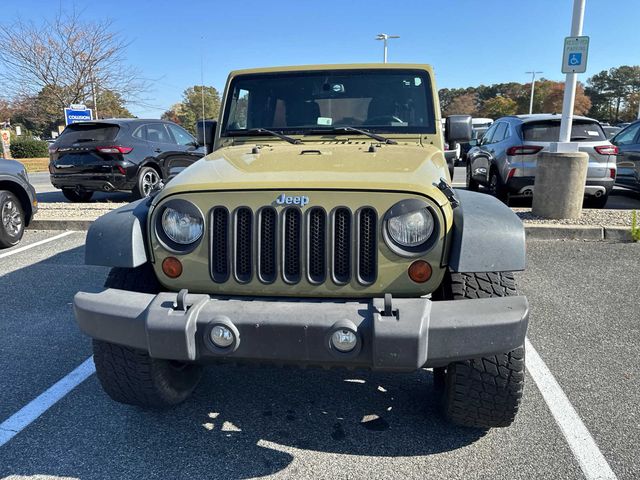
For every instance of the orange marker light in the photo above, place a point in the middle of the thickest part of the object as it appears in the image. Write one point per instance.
(420, 271)
(172, 267)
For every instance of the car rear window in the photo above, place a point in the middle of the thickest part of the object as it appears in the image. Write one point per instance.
(549, 131)
(88, 132)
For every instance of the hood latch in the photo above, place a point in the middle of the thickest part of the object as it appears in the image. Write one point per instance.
(448, 192)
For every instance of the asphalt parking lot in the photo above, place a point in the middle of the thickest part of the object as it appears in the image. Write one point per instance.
(246, 422)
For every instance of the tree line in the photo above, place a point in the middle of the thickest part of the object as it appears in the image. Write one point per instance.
(48, 65)
(610, 96)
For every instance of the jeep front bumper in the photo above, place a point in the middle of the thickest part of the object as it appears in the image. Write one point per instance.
(412, 333)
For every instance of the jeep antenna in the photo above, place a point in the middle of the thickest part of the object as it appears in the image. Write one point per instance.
(202, 123)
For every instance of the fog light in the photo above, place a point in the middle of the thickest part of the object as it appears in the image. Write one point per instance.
(221, 336)
(172, 267)
(344, 340)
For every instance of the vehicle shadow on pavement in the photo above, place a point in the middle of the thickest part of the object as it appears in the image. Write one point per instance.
(241, 422)
(100, 197)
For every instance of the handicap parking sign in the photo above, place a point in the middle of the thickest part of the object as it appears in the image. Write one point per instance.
(575, 59)
(576, 50)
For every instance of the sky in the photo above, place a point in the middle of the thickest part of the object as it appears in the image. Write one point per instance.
(468, 42)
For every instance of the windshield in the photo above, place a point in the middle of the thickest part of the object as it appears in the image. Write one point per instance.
(391, 101)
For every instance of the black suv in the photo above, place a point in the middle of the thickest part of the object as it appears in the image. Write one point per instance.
(119, 155)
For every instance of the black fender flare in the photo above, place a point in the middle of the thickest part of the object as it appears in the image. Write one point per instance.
(487, 236)
(118, 239)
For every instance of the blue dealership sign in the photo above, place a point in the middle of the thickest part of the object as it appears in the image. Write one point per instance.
(75, 115)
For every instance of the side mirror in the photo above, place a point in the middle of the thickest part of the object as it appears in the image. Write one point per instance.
(458, 128)
(206, 133)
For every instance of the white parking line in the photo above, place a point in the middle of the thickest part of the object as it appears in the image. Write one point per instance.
(36, 407)
(35, 244)
(584, 448)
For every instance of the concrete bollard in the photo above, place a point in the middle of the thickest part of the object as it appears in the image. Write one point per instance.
(558, 190)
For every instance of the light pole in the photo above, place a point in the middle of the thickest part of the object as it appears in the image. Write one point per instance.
(385, 37)
(533, 86)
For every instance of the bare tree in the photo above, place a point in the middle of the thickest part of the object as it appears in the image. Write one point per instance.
(68, 58)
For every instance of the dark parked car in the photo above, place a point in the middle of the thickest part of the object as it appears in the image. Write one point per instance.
(610, 131)
(628, 143)
(18, 202)
(506, 158)
(119, 155)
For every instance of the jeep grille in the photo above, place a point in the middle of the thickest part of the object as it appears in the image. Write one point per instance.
(315, 245)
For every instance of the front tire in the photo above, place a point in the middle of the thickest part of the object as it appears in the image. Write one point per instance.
(12, 219)
(472, 185)
(131, 376)
(482, 392)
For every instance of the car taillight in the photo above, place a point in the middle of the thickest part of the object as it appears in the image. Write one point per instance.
(511, 173)
(606, 149)
(121, 170)
(524, 150)
(114, 149)
(612, 173)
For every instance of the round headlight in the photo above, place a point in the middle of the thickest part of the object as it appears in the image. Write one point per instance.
(411, 229)
(182, 227)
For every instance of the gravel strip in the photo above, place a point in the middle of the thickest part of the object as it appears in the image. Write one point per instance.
(82, 211)
(597, 217)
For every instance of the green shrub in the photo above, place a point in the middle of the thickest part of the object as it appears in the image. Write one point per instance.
(635, 230)
(29, 148)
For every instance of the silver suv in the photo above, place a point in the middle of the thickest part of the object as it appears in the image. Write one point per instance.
(505, 159)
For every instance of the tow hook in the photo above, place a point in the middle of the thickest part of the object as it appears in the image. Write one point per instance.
(389, 311)
(448, 192)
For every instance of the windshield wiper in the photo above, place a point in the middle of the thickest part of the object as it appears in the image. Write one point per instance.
(369, 134)
(259, 131)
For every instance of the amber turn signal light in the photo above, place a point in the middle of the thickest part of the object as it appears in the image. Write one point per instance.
(420, 271)
(172, 267)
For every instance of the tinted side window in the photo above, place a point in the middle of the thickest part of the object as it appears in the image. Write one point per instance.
(157, 133)
(487, 137)
(181, 136)
(500, 134)
(627, 136)
(139, 133)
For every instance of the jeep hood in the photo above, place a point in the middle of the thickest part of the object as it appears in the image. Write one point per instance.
(336, 166)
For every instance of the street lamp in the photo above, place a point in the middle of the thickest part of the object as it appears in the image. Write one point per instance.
(533, 86)
(385, 37)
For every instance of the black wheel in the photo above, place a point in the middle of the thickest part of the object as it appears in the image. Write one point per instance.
(496, 186)
(596, 202)
(131, 376)
(77, 195)
(11, 219)
(471, 183)
(148, 180)
(482, 392)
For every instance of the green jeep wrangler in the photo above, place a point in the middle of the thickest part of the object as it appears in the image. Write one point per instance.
(321, 230)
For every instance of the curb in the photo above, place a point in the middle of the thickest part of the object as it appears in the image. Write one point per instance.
(564, 232)
(533, 231)
(61, 224)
